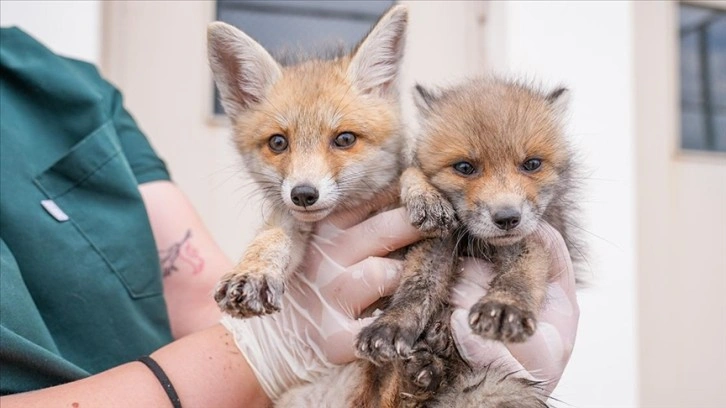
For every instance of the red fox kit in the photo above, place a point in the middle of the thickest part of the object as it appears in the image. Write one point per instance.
(496, 152)
(491, 164)
(318, 137)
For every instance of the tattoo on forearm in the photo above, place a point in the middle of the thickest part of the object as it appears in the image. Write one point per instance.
(179, 254)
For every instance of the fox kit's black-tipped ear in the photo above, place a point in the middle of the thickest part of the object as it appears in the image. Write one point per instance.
(375, 64)
(559, 99)
(424, 98)
(242, 69)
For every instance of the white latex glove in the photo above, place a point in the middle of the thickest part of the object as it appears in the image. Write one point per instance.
(343, 273)
(542, 357)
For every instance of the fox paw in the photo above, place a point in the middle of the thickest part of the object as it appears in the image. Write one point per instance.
(425, 367)
(431, 213)
(244, 295)
(385, 340)
(423, 373)
(437, 338)
(501, 321)
(425, 370)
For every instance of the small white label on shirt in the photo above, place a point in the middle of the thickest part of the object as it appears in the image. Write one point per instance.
(54, 210)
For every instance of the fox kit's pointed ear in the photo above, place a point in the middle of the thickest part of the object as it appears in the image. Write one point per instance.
(242, 69)
(375, 63)
(559, 99)
(424, 98)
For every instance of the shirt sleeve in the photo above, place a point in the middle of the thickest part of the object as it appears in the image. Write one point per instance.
(146, 165)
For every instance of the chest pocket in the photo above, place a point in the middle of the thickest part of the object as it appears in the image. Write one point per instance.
(94, 185)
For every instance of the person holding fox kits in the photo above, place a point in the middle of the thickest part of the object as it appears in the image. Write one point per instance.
(72, 335)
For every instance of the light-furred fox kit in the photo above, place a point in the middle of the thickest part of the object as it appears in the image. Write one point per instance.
(317, 136)
(321, 136)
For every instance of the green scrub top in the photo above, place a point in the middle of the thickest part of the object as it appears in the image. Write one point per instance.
(80, 281)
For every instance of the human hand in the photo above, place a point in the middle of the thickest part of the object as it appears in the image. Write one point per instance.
(543, 356)
(343, 273)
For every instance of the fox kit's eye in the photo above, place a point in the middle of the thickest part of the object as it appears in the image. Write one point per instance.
(345, 139)
(531, 165)
(277, 143)
(464, 168)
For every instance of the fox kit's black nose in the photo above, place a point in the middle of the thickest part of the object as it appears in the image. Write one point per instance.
(507, 218)
(304, 195)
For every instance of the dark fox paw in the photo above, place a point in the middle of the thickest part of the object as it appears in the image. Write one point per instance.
(424, 373)
(437, 337)
(431, 213)
(244, 294)
(501, 321)
(384, 340)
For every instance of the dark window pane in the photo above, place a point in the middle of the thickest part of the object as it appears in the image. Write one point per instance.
(289, 26)
(703, 78)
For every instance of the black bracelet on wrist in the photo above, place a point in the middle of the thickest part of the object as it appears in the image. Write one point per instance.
(163, 379)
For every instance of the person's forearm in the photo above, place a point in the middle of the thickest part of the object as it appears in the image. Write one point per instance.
(206, 369)
(216, 376)
(191, 260)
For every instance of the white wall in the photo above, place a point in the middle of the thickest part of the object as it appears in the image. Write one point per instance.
(70, 28)
(587, 46)
(681, 218)
(444, 44)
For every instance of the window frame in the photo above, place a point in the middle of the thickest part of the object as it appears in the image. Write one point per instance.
(681, 152)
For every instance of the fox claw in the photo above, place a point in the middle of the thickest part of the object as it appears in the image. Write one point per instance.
(425, 371)
(244, 295)
(384, 341)
(500, 321)
(431, 213)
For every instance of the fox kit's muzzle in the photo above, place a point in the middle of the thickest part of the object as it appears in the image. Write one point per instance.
(304, 195)
(506, 218)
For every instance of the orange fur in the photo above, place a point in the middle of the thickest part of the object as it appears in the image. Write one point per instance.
(311, 104)
(497, 128)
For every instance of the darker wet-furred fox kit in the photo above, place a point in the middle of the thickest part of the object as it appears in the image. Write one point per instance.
(325, 135)
(492, 156)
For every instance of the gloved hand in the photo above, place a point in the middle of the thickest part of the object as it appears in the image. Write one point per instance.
(343, 273)
(544, 356)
